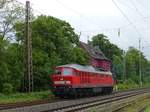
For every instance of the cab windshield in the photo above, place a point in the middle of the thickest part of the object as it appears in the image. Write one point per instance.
(67, 71)
(57, 72)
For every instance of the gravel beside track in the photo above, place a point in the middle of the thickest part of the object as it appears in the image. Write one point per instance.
(24, 104)
(78, 104)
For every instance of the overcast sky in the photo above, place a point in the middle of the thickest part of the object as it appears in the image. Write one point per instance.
(91, 17)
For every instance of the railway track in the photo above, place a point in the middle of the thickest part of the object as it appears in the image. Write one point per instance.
(101, 103)
(82, 104)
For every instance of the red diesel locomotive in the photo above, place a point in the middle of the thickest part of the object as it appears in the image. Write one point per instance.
(76, 80)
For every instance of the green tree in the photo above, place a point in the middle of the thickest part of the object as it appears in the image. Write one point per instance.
(10, 62)
(132, 64)
(106, 46)
(111, 51)
(14, 61)
(4, 71)
(10, 13)
(118, 67)
(10, 65)
(54, 43)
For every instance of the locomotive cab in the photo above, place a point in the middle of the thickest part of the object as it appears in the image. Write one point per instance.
(64, 71)
(62, 81)
(63, 76)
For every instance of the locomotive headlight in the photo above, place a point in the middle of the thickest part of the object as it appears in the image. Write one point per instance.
(68, 82)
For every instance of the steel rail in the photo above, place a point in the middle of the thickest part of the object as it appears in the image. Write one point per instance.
(89, 104)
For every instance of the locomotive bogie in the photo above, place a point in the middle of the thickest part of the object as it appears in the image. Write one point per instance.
(80, 92)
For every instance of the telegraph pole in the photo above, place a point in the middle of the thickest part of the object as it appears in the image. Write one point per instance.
(140, 75)
(28, 50)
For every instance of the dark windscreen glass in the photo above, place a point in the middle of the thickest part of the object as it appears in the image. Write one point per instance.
(57, 72)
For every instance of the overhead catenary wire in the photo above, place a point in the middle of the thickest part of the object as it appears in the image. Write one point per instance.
(97, 30)
(141, 15)
(126, 18)
(140, 3)
(101, 29)
(137, 10)
(141, 19)
(78, 13)
(131, 23)
(88, 20)
(81, 15)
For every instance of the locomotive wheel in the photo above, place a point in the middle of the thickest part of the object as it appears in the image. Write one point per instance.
(74, 93)
(111, 90)
(107, 90)
(81, 92)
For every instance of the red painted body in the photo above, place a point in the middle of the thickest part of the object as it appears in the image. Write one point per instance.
(80, 79)
(72, 78)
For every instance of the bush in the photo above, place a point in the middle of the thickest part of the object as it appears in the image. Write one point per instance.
(128, 84)
(7, 88)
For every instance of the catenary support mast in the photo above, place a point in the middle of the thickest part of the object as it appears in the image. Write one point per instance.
(28, 50)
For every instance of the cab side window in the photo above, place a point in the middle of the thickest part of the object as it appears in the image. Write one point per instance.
(67, 71)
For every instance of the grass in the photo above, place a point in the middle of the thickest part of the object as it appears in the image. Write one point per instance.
(130, 85)
(25, 97)
(147, 109)
(138, 105)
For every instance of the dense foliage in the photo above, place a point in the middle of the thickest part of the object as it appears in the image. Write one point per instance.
(111, 51)
(106, 46)
(54, 43)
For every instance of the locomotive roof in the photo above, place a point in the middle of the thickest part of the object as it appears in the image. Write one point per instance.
(86, 68)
